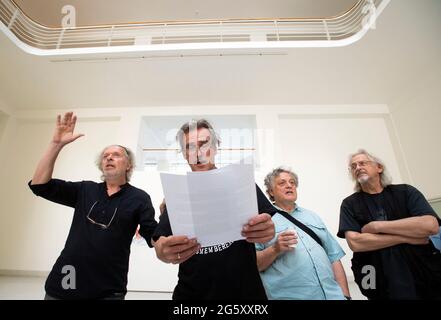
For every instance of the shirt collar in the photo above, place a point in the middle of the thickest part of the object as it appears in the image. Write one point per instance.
(296, 208)
(122, 190)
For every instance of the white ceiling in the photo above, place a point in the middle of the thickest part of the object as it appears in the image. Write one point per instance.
(403, 50)
(92, 12)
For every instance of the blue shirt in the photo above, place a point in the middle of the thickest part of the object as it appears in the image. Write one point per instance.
(306, 272)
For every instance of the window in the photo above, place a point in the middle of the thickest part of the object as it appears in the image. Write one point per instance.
(161, 152)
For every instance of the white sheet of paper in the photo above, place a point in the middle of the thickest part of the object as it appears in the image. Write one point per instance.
(211, 206)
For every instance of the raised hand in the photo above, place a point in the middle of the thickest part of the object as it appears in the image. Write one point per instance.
(64, 134)
(64, 129)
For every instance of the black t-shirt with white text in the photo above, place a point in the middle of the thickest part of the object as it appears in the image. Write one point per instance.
(225, 271)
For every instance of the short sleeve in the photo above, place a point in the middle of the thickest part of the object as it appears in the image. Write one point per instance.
(332, 247)
(347, 220)
(417, 203)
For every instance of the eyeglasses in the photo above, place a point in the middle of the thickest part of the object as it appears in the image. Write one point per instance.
(104, 226)
(362, 164)
(193, 148)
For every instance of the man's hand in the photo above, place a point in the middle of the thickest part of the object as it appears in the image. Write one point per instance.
(286, 241)
(162, 207)
(64, 130)
(371, 227)
(175, 249)
(64, 134)
(259, 229)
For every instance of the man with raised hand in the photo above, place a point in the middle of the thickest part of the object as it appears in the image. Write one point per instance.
(95, 260)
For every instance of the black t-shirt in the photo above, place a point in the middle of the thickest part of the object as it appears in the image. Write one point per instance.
(98, 256)
(399, 280)
(226, 271)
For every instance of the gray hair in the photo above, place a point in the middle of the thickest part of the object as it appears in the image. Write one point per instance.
(197, 124)
(385, 178)
(127, 152)
(270, 177)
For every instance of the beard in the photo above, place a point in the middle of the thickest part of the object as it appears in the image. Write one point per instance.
(113, 175)
(363, 179)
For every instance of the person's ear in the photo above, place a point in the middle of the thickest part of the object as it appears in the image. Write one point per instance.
(270, 192)
(380, 167)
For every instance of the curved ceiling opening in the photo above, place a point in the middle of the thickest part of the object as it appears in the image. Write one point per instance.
(221, 33)
(110, 12)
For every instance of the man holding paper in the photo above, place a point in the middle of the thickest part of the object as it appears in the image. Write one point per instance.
(223, 271)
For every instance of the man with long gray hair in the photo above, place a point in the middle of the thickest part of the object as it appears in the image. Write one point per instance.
(388, 228)
(95, 260)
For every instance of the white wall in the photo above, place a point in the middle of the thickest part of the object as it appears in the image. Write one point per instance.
(5, 113)
(319, 153)
(314, 140)
(36, 228)
(5, 108)
(3, 123)
(417, 118)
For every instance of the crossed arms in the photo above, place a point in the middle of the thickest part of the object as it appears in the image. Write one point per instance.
(382, 234)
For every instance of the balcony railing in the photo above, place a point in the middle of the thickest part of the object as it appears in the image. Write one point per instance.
(159, 36)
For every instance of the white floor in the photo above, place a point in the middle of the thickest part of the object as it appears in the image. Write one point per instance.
(32, 288)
